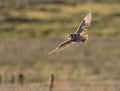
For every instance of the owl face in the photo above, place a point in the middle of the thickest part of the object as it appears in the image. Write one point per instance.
(73, 37)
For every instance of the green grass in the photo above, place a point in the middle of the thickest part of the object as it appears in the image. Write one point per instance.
(51, 20)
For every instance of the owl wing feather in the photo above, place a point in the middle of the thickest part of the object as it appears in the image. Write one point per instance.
(62, 46)
(85, 23)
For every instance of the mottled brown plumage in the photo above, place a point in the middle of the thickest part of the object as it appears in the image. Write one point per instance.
(77, 36)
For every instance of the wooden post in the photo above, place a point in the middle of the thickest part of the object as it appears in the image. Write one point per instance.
(51, 82)
(0, 79)
(12, 81)
(20, 78)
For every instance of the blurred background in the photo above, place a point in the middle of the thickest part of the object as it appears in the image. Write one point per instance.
(29, 29)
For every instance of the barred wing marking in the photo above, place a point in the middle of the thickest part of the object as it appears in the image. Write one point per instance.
(85, 23)
(62, 46)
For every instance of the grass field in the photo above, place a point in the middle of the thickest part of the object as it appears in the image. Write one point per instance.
(29, 31)
(71, 86)
(52, 20)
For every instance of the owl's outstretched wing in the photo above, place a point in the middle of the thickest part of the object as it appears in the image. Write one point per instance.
(85, 23)
(62, 46)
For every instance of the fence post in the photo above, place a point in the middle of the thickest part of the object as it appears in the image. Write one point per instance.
(20, 78)
(0, 79)
(51, 82)
(12, 81)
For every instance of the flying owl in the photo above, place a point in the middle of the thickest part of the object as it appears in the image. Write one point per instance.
(77, 36)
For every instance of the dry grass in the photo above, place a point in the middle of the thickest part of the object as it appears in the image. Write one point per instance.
(97, 58)
(71, 86)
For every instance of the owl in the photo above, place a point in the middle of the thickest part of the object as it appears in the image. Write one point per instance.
(78, 36)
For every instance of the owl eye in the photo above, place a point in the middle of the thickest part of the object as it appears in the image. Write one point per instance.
(85, 30)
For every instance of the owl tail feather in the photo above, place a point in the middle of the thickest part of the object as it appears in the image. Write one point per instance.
(84, 38)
